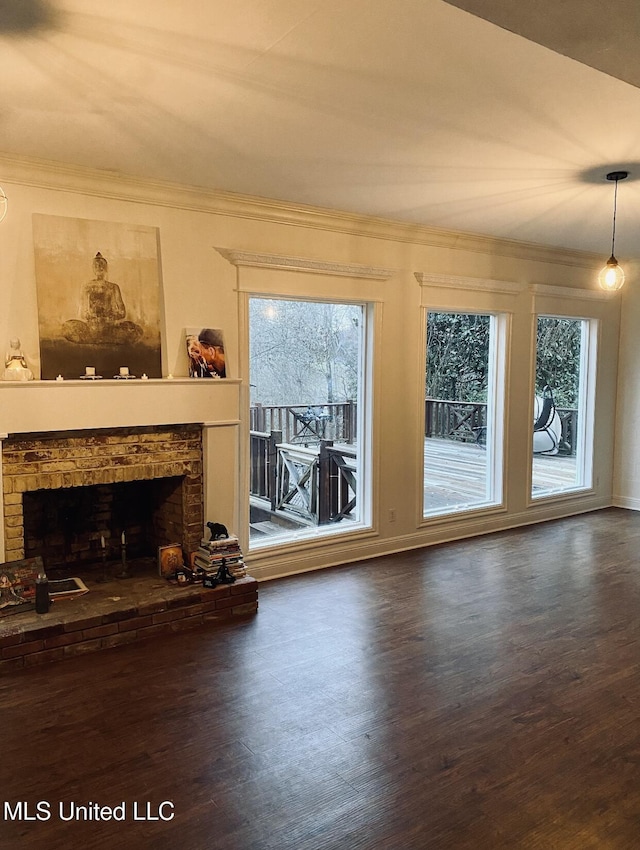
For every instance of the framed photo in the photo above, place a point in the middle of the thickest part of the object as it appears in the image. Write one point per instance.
(169, 559)
(205, 350)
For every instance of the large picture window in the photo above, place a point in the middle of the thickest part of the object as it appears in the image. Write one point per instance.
(462, 444)
(306, 419)
(562, 453)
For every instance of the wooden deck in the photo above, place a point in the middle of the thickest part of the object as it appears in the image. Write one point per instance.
(455, 474)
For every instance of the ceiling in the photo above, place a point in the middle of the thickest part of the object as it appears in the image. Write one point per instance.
(452, 115)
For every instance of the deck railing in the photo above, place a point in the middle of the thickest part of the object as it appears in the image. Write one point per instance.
(264, 459)
(454, 420)
(467, 422)
(316, 483)
(298, 470)
(307, 423)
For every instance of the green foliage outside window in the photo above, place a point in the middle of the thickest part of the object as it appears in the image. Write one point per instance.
(558, 358)
(458, 357)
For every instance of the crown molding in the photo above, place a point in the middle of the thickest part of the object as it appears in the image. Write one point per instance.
(542, 290)
(468, 283)
(118, 186)
(545, 290)
(300, 264)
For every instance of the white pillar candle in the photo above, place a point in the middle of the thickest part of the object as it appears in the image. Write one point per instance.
(123, 539)
(124, 371)
(90, 370)
(102, 540)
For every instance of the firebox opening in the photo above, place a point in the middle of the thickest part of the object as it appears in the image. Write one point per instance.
(67, 526)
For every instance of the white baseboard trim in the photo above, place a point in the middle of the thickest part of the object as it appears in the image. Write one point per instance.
(273, 564)
(626, 502)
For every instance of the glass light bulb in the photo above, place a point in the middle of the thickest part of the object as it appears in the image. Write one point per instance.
(611, 278)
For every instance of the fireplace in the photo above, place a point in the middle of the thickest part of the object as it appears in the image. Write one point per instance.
(72, 527)
(84, 460)
(67, 493)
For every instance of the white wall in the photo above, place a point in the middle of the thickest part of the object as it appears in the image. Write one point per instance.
(626, 487)
(202, 286)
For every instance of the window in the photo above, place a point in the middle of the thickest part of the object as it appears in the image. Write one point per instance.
(563, 408)
(306, 419)
(463, 392)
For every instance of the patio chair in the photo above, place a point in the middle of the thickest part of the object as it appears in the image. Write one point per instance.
(311, 425)
(547, 428)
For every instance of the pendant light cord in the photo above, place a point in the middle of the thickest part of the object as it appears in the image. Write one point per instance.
(615, 207)
(615, 210)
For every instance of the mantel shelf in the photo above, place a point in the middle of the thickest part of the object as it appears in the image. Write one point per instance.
(41, 406)
(119, 382)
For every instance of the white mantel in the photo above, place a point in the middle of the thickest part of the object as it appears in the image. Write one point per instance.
(40, 406)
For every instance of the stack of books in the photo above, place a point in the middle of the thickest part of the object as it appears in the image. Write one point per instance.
(213, 554)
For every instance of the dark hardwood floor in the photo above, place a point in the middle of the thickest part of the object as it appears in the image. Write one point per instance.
(480, 694)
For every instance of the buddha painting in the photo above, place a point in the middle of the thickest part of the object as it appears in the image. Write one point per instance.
(103, 312)
(98, 288)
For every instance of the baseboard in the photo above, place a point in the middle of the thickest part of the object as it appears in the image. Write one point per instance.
(279, 564)
(626, 502)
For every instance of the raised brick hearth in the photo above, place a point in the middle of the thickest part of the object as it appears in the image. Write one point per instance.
(86, 473)
(120, 612)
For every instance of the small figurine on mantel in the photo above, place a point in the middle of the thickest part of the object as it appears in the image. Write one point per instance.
(15, 364)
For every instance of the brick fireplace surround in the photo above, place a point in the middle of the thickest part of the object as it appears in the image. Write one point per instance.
(106, 456)
(123, 611)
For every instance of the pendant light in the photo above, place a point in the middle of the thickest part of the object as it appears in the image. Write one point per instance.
(611, 278)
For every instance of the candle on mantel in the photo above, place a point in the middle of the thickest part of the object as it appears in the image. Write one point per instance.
(124, 371)
(123, 539)
(102, 541)
(59, 378)
(90, 370)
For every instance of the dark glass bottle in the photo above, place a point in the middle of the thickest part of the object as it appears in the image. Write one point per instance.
(42, 594)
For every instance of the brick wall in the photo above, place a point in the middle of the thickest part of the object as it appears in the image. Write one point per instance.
(85, 458)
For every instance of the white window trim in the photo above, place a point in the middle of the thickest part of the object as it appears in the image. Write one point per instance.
(495, 500)
(367, 471)
(282, 262)
(586, 414)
